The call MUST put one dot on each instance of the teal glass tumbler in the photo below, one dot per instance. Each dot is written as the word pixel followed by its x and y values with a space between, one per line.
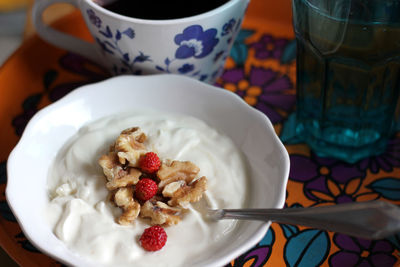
pixel 348 75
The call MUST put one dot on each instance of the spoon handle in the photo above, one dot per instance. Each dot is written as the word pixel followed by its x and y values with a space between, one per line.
pixel 371 220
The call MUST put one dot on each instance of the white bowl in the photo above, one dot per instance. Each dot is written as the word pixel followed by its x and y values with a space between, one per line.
pixel 50 128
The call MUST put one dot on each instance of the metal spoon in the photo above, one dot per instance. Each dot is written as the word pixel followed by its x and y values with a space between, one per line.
pixel 370 220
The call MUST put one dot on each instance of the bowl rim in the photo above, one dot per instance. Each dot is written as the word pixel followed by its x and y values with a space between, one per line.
pixel 12 197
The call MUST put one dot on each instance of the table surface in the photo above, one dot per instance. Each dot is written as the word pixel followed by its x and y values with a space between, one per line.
pixel 261 69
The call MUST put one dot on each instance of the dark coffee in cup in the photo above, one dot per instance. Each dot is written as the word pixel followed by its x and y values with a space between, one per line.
pixel 161 9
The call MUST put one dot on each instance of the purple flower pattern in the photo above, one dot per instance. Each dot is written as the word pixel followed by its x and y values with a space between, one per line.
pixel 315 172
pixel 269 47
pixel 263 88
pixel 361 252
pixel 386 161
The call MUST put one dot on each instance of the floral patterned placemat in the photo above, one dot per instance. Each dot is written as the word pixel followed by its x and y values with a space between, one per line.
pixel 260 69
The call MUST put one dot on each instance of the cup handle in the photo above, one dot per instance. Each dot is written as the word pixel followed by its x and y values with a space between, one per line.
pixel 58 38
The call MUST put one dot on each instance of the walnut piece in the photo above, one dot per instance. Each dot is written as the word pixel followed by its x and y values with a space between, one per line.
pixel 160 213
pixel 129 214
pixel 189 193
pixel 123 198
pixel 176 170
pixel 129 146
pixel 168 209
pixel 171 188
pixel 131 178
pixel 111 167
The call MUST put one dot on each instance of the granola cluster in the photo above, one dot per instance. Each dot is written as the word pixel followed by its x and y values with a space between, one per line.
pixel 177 182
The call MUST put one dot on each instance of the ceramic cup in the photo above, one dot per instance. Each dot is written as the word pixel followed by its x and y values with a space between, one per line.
pixel 195 46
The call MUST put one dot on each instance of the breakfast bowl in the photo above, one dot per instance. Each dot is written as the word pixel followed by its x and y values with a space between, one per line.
pixel 263 162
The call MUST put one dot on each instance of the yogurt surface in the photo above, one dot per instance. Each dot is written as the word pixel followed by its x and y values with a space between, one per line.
pixel 81 216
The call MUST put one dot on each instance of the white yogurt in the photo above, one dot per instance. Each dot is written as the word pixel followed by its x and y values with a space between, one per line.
pixel 84 220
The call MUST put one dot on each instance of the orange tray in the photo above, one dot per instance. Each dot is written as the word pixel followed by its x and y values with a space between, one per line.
pixel 261 69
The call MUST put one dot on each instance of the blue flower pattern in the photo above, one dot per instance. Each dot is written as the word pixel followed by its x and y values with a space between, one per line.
pixel 95 20
pixel 228 27
pixel 193 42
pixel 186 68
pixel 109 43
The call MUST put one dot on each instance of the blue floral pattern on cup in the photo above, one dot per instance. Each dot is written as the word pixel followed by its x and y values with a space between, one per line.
pixel 95 20
pixel 228 27
pixel 193 43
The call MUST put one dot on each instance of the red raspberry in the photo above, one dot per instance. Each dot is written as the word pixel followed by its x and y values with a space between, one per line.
pixel 153 238
pixel 145 189
pixel 150 162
